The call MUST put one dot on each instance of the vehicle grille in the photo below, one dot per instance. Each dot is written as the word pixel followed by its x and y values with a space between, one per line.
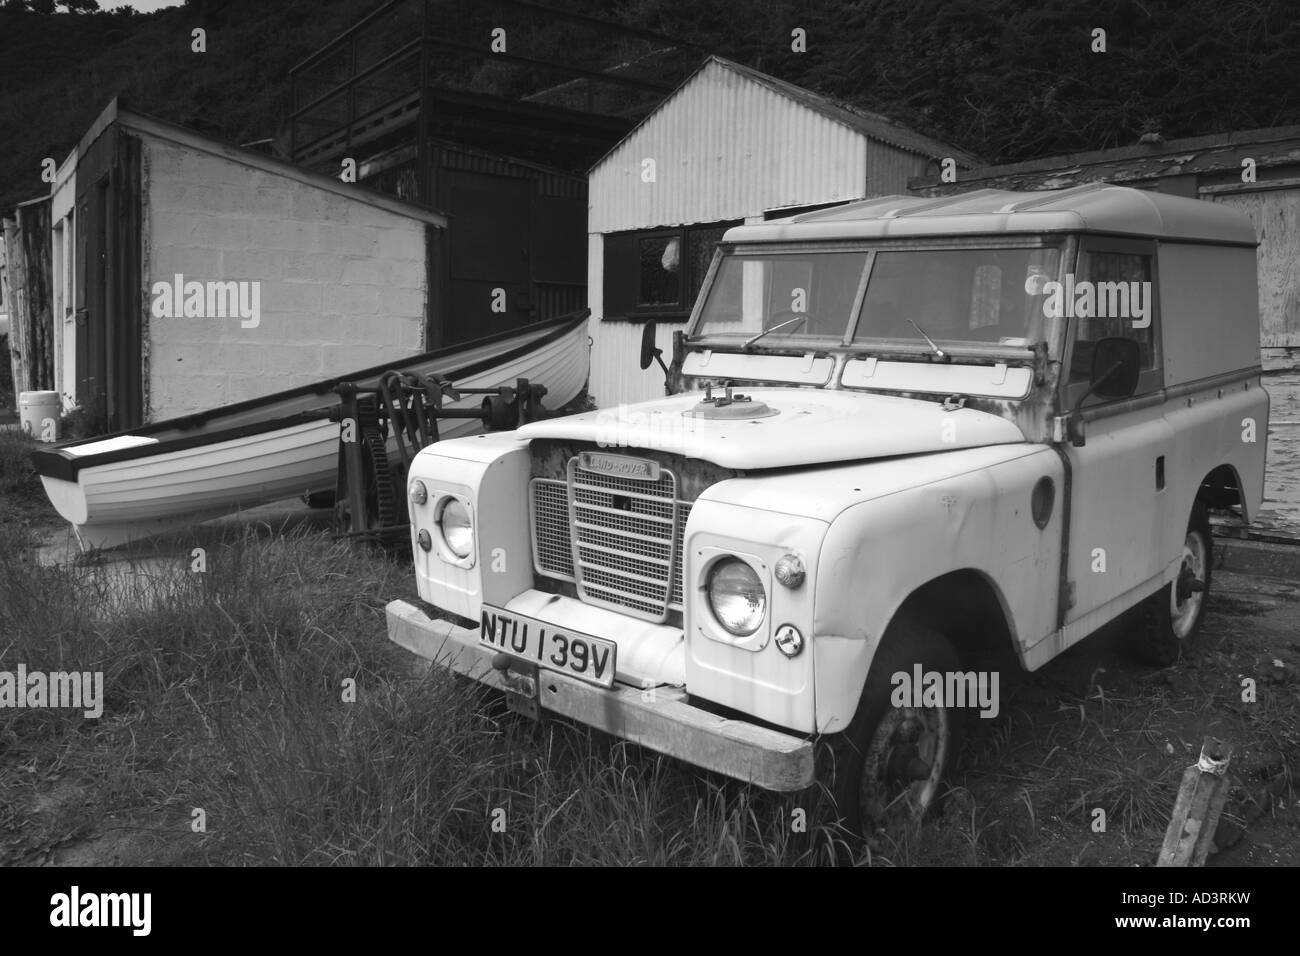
pixel 626 536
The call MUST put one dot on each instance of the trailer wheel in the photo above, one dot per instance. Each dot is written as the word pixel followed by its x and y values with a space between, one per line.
pixel 888 766
pixel 1170 619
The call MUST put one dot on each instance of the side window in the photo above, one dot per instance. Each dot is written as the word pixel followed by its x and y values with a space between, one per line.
pixel 1112 297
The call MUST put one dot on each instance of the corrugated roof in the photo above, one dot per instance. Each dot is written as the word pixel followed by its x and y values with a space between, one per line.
pixel 872 125
pixel 1207 153
pixel 1093 207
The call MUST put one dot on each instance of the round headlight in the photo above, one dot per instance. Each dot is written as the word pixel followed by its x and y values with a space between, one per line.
pixel 419 493
pixel 456 527
pixel 736 596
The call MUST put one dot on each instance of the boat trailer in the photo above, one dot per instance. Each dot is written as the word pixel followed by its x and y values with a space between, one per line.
pixel 404 409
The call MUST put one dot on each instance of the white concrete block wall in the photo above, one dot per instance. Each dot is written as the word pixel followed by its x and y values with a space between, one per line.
pixel 343 283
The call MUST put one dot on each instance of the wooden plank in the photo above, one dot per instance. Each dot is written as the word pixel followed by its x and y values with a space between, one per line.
pixel 34 224
pixel 1200 801
pixel 1276 216
pixel 31 282
pixel 17 325
pixel 1262 185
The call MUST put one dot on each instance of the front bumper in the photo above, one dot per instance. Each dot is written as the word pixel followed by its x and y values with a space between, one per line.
pixel 662 721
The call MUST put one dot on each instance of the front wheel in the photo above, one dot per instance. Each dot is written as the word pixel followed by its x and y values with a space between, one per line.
pixel 888 766
pixel 1171 618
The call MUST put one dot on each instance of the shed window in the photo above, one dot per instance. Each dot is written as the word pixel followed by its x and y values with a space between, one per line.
pixel 660 276
pixel 658 273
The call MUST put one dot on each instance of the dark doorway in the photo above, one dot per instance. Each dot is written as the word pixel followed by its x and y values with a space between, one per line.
pixel 108 303
pixel 489 257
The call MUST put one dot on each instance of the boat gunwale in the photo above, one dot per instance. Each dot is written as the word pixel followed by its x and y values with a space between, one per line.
pixel 56 463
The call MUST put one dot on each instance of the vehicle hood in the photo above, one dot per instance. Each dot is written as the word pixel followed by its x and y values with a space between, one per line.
pixel 809 427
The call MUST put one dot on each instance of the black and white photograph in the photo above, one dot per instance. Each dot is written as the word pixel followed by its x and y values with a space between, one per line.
pixel 651 434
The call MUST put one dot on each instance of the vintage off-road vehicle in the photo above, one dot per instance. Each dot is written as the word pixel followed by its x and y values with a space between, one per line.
pixel 897 430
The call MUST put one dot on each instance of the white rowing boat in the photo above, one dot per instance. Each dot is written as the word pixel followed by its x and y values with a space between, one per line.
pixel 178 472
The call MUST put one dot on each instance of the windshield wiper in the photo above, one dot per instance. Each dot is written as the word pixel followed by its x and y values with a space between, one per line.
pixel 750 341
pixel 937 351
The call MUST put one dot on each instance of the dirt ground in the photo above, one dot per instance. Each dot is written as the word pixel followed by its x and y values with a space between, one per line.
pixel 1118 735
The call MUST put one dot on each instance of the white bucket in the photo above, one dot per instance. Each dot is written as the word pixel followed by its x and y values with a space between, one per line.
pixel 39 414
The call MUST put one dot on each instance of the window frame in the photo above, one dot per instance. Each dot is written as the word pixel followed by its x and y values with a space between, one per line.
pixel 684 309
pixel 661 308
pixel 1151 380
pixel 1063 242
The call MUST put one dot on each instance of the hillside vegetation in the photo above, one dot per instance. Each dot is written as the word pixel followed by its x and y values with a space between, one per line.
pixel 1001 78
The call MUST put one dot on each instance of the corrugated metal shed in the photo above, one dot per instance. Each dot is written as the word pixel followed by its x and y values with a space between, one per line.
pixel 731 144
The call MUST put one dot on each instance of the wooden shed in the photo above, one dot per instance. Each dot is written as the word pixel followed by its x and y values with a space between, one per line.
pixel 497 136
pixel 189 273
pixel 729 145
pixel 1255 171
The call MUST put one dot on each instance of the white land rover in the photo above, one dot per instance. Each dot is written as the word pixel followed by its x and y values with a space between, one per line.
pixel 902 428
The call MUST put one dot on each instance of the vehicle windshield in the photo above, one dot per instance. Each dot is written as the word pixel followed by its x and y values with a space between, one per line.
pixel 981 296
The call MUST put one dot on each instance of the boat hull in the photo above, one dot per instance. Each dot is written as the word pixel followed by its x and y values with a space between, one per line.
pixel 128 486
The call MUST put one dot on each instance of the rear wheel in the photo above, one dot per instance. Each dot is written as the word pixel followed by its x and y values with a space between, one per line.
pixel 888 766
pixel 1170 619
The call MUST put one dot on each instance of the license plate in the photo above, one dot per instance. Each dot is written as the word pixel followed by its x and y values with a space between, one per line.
pixel 555 648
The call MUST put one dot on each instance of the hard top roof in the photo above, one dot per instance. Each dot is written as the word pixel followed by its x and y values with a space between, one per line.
pixel 1093 207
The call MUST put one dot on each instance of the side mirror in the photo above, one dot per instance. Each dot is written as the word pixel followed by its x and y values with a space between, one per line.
pixel 648 351
pixel 1116 367
pixel 652 353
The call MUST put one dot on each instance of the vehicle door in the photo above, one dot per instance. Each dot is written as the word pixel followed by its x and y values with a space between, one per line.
pixel 1118 498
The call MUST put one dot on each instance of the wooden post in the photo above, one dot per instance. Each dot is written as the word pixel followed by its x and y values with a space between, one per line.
pixel 16 268
pixel 34 234
pixel 1201 797
pixel 7 310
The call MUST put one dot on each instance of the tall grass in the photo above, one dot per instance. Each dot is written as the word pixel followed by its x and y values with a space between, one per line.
pixel 17 477
pixel 231 692
pixel 262 697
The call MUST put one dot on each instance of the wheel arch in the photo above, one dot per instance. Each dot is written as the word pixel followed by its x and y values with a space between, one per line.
pixel 965 605
pixel 1221 488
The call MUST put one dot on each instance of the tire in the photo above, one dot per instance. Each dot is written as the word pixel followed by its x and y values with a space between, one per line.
pixel 865 768
pixel 1170 620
